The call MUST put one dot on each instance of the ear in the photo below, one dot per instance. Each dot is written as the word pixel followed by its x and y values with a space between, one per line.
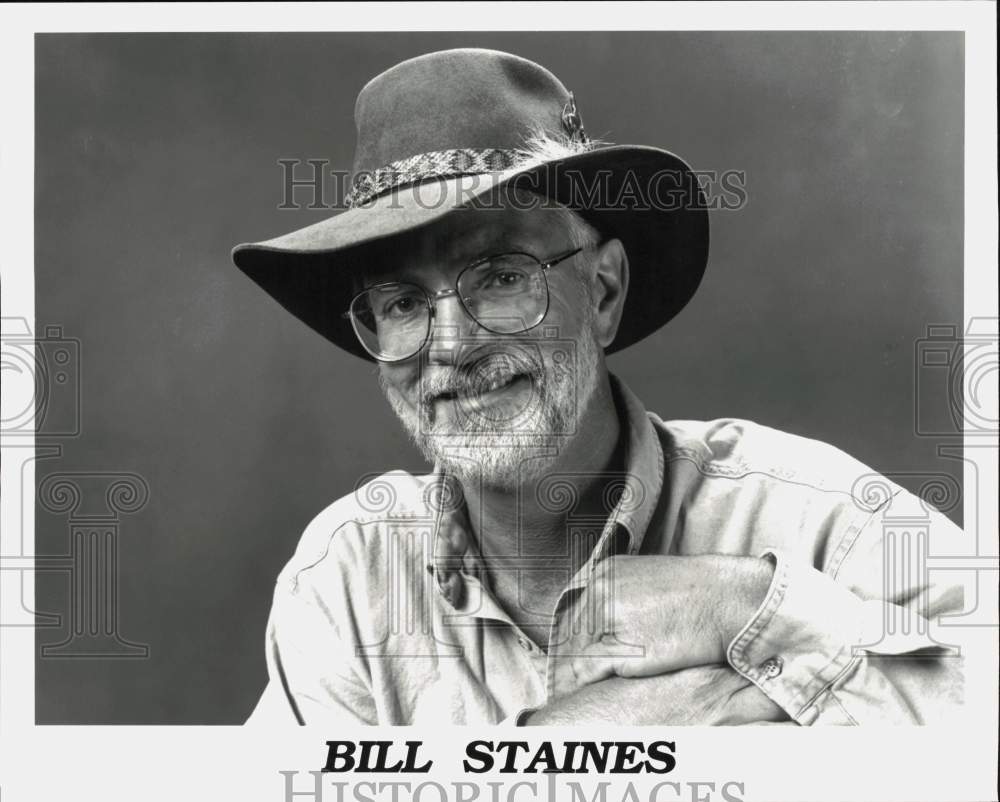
pixel 608 290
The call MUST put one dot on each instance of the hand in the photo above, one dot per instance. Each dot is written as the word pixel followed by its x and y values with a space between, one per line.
pixel 706 695
pixel 647 615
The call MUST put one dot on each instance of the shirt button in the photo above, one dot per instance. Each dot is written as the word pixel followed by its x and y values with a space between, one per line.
pixel 772 667
pixel 452 587
pixel 524 643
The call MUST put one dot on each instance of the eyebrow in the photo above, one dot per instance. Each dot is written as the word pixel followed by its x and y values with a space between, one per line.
pixel 411 274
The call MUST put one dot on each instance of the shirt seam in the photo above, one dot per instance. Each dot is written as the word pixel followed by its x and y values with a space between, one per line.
pixel 356 521
pixel 848 540
pixel 294 578
pixel 843 709
pixel 717 470
pixel 828 689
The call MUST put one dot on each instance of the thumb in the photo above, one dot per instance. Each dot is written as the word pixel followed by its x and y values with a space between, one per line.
pixel 598 661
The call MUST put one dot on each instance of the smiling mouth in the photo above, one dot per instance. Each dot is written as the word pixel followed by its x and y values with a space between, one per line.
pixel 484 390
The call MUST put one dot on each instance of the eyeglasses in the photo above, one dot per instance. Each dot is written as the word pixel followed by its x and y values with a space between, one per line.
pixel 506 293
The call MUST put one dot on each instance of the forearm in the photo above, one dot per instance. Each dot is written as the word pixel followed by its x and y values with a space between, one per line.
pixel 611 701
pixel 702 695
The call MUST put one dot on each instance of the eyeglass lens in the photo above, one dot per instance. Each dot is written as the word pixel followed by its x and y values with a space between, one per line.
pixel 506 294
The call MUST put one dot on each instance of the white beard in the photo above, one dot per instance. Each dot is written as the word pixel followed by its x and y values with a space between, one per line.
pixel 508 453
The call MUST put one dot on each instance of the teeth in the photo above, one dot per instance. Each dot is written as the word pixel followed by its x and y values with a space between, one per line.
pixel 489 386
pixel 498 382
pixel 470 392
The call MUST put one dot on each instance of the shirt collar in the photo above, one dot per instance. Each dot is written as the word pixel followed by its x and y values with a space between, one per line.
pixel 643 478
pixel 452 550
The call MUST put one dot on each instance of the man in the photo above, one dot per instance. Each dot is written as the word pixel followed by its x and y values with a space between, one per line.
pixel 572 558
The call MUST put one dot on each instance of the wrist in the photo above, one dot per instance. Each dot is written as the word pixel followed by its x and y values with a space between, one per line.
pixel 744 592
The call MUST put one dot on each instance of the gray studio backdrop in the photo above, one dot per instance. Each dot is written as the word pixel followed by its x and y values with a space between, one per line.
pixel 155 154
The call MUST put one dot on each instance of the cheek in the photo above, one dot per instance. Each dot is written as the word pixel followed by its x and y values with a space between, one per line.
pixel 400 380
pixel 570 316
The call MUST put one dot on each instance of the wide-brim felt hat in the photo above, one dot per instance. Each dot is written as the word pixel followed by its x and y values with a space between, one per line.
pixel 449 131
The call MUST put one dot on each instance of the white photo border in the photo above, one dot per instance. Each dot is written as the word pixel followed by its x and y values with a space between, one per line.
pixel 170 763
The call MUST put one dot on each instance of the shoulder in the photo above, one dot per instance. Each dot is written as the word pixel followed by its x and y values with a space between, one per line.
pixel 742 487
pixel 735 448
pixel 350 535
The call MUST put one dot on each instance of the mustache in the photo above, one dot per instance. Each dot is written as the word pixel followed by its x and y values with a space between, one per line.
pixel 475 377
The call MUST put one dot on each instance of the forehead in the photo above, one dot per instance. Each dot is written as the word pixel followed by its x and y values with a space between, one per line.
pixel 448 245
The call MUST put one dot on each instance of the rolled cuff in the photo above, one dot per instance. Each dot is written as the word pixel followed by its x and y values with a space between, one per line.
pixel 801 639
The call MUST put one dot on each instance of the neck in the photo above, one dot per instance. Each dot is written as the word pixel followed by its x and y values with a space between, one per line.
pixel 512 523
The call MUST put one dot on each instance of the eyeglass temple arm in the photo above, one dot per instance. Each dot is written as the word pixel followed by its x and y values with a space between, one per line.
pixel 562 258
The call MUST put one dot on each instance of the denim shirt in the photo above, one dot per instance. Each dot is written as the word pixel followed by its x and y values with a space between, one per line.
pixel 384 613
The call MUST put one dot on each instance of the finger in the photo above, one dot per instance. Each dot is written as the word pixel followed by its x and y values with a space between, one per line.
pixel 593 664
pixel 573 659
pixel 635 660
pixel 752 706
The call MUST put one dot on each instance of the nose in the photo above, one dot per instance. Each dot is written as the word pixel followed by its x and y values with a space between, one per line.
pixel 451 329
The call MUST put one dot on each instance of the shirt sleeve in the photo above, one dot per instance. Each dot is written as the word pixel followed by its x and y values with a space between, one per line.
pixel 853 644
pixel 313 675
pixel 517 719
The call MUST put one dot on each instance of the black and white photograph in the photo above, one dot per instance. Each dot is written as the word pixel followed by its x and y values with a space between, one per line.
pixel 635 382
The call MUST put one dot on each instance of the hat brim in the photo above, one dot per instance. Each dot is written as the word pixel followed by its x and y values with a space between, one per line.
pixel 646 197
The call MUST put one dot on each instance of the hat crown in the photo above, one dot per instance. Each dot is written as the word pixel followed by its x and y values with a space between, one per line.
pixel 467 98
pixel 460 112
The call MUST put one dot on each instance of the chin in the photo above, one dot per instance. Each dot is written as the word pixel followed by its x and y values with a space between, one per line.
pixel 502 455
pixel 507 441
pixel 499 464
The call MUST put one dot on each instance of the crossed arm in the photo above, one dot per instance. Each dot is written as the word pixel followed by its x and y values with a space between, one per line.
pixel 730 640
pixel 725 640
pixel 704 695
pixel 684 611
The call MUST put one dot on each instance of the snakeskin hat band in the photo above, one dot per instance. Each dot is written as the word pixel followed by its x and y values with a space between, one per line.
pixel 448 115
pixel 424 166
